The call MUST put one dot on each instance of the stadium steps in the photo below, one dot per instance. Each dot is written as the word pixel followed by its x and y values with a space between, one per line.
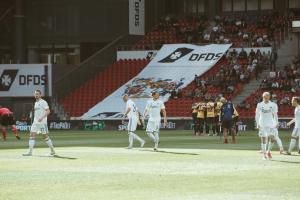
pixel 286 54
pixel 249 88
pixel 287 51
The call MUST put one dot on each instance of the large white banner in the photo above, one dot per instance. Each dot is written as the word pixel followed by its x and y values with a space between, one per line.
pixel 20 80
pixel 174 67
pixel 137 17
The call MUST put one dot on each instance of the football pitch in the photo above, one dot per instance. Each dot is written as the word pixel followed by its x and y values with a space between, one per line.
pixel 96 165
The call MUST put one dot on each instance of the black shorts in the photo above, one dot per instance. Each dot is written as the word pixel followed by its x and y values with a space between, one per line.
pixel 210 120
pixel 227 124
pixel 7 120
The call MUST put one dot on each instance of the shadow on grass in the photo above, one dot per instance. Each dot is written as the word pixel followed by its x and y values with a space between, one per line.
pixel 170 152
pixel 286 161
pixel 58 156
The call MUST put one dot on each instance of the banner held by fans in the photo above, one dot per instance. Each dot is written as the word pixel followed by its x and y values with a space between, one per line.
pixel 173 68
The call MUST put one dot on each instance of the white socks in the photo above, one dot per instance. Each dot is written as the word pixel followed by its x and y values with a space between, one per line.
pixel 292 145
pixel 263 147
pixel 270 146
pixel 279 143
pixel 156 135
pixel 130 139
pixel 49 143
pixel 31 144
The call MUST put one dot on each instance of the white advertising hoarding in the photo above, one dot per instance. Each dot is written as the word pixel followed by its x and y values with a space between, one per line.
pixel 20 80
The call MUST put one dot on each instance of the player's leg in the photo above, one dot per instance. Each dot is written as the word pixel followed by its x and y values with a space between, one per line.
pixel 278 140
pixel 195 123
pixel 15 131
pixel 217 125
pixel 131 132
pixel 31 141
pixel 225 131
pixel 4 132
pixel 201 125
pixel 271 140
pixel 48 141
pixel 130 136
pixel 156 134
pixel 150 130
pixel 198 126
pixel 233 135
pixel 293 141
pixel 264 139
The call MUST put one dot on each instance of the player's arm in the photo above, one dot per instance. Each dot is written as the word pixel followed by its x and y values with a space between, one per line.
pixel 257 116
pixel 276 115
pixel 146 111
pixel 127 111
pixel 47 112
pixel 165 115
pixel 291 122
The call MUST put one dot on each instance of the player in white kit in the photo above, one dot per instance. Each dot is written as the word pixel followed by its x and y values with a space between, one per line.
pixel 153 108
pixel 296 130
pixel 39 125
pixel 133 116
pixel 267 121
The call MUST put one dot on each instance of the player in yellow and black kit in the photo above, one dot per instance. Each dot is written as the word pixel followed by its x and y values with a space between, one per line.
pixel 210 117
pixel 201 116
pixel 235 119
pixel 218 116
pixel 194 116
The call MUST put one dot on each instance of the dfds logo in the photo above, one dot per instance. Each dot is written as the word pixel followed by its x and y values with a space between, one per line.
pixel 194 57
pixel 176 55
pixel 137 13
pixel 7 78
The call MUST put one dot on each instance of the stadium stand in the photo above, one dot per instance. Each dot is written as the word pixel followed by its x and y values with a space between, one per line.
pixel 254 31
pixel 283 85
pixel 226 78
pixel 103 84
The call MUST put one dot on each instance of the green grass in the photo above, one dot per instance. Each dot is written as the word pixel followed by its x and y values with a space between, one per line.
pixel 95 165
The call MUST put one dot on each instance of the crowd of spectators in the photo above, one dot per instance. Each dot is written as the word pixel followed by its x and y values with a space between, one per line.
pixel 239 68
pixel 283 84
pixel 241 30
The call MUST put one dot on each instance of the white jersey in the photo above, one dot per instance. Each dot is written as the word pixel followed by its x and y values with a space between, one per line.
pixel 297 117
pixel 154 107
pixel 133 109
pixel 40 108
pixel 266 114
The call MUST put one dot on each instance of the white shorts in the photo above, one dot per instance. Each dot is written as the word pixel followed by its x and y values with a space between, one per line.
pixel 132 124
pixel 296 132
pixel 267 131
pixel 153 126
pixel 39 128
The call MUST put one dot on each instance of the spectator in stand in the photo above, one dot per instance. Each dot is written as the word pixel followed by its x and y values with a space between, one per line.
pixel 273 59
pixel 285 100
